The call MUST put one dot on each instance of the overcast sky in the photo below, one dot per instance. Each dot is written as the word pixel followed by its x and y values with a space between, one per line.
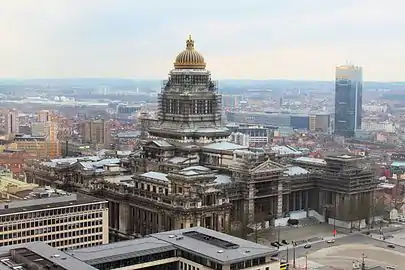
pixel 258 39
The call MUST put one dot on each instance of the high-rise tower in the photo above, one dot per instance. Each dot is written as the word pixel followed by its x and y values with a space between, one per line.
pixel 348 99
pixel 12 122
pixel 189 103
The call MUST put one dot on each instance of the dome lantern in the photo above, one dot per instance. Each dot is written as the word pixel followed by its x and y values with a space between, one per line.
pixel 189 58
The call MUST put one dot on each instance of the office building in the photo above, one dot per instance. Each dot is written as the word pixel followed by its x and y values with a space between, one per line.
pixel 12 122
pixel 61 219
pixel 125 111
pixel 188 249
pixel 44 116
pixel 319 122
pixel 348 100
pixel 38 255
pixel 192 248
pixel 95 132
pixel 49 130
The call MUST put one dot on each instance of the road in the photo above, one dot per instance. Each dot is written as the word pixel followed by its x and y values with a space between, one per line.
pixel 355 238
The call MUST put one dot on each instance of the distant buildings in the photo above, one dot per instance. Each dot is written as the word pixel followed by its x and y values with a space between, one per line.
pixel 312 122
pixel 348 100
pixel 126 111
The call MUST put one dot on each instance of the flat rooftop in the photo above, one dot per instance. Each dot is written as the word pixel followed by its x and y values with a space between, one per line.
pixel 212 245
pixel 216 246
pixel 39 253
pixel 45 201
pixel 121 250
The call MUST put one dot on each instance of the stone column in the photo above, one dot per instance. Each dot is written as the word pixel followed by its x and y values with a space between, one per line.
pixel 280 199
pixel 251 204
pixel 124 220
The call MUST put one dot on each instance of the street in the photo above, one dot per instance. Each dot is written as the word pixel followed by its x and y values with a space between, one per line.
pixel 345 250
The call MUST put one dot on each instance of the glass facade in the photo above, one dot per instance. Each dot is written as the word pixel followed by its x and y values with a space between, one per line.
pixel 348 100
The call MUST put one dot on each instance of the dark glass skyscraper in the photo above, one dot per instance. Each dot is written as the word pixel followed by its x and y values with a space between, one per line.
pixel 348 100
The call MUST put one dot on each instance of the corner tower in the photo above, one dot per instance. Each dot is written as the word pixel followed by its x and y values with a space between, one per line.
pixel 189 103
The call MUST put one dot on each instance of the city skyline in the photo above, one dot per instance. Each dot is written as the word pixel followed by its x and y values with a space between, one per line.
pixel 133 39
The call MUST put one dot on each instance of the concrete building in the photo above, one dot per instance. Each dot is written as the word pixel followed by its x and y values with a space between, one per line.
pixel 373 125
pixel 38 255
pixel 49 130
pixel 196 248
pixel 125 111
pixel 45 116
pixel 95 132
pixel 312 122
pixel 61 219
pixel 12 122
pixel 348 100
pixel 193 248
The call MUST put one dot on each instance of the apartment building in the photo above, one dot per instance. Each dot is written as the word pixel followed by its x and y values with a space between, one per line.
pixel 60 219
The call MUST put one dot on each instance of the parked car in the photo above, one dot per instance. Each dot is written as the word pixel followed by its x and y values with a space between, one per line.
pixel 391 246
pixel 307 246
pixel 331 241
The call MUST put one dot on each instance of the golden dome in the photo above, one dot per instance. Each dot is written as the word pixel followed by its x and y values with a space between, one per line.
pixel 189 58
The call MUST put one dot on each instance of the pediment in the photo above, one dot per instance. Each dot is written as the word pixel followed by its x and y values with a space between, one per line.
pixel 268 166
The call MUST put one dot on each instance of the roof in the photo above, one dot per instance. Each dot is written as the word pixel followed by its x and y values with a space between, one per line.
pixel 285 150
pixel 121 250
pixel 162 143
pixel 241 249
pixel 51 202
pixel 156 176
pixel 295 170
pixel 213 245
pixel 311 160
pixel 398 164
pixel 224 146
pixel 40 250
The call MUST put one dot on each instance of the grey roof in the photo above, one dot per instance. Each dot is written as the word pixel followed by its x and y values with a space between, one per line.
pixel 171 240
pixel 311 160
pixel 285 150
pixel 121 250
pixel 224 146
pixel 197 168
pixel 156 176
pixel 246 250
pixel 223 179
pixel 162 143
pixel 295 170
pixel 47 252
pixel 47 203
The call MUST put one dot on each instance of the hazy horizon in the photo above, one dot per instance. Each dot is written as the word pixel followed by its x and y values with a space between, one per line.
pixel 258 40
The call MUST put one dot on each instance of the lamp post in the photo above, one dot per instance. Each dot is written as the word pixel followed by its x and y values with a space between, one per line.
pixel 294 245
pixel 306 261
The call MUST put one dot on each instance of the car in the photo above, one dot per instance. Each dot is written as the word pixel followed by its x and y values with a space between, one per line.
pixel 274 245
pixel 284 242
pixel 391 246
pixel 331 241
pixel 307 246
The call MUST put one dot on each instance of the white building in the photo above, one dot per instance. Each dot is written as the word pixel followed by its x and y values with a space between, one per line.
pixel 372 125
pixel 62 220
